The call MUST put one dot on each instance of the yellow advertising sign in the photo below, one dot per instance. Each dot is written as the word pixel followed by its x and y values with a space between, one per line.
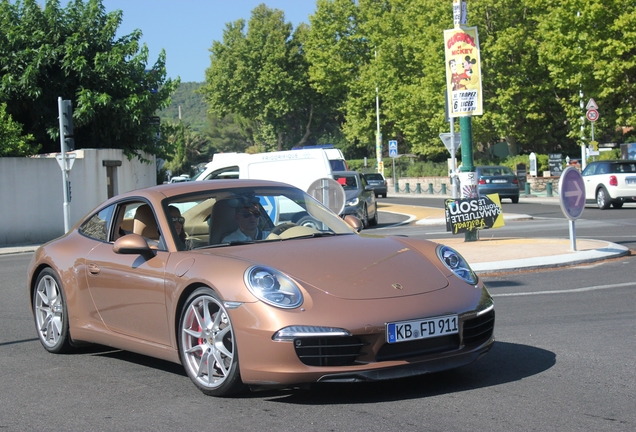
pixel 463 71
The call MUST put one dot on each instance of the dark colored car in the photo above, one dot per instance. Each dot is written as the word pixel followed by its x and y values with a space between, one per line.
pixel 359 197
pixel 610 182
pixel 159 271
pixel 498 179
pixel 378 182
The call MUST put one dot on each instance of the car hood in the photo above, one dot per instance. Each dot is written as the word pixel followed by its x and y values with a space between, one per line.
pixel 351 266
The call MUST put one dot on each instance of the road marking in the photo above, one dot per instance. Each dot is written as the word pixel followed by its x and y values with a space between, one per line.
pixel 575 290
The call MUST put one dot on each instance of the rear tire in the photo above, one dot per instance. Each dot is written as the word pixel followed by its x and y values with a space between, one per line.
pixel 50 313
pixel 515 200
pixel 602 198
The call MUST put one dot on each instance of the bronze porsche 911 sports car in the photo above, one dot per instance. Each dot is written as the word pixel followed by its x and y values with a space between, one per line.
pixel 255 283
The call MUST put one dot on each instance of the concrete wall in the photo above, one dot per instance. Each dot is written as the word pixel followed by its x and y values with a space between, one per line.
pixel 32 197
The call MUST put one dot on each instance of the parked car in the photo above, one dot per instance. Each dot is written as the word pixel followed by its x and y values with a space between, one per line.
pixel 152 271
pixel 359 197
pixel 610 182
pixel 378 182
pixel 498 179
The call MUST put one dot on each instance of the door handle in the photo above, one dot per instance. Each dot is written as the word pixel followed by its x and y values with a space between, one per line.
pixel 93 268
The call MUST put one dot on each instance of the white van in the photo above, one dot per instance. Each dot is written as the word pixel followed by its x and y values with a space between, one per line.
pixel 299 168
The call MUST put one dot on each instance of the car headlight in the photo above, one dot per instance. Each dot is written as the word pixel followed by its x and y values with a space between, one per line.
pixel 273 287
pixel 353 202
pixel 456 263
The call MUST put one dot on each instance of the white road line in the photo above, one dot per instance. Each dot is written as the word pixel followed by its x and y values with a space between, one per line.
pixel 575 290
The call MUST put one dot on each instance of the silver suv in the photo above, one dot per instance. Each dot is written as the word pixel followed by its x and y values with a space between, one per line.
pixel 610 182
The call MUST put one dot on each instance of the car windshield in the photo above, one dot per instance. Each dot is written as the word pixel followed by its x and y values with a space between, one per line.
pixel 495 171
pixel 348 182
pixel 374 176
pixel 225 217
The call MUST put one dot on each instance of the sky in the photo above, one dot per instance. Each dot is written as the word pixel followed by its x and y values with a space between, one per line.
pixel 187 28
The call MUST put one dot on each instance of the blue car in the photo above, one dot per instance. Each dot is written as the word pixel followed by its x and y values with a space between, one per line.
pixel 498 179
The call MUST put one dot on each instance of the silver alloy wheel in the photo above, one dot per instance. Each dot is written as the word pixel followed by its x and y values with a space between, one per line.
pixel 49 312
pixel 207 345
pixel 601 199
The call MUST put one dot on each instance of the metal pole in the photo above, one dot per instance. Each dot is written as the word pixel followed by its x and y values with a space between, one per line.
pixel 454 180
pixel 572 235
pixel 65 206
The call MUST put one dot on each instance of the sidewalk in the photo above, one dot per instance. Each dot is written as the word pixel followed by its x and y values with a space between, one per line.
pixel 488 255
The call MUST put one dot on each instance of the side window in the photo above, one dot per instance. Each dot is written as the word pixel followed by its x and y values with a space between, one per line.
pixel 224 173
pixel 98 225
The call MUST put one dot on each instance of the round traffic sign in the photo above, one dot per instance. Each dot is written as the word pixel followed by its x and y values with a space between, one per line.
pixel 592 115
pixel 572 193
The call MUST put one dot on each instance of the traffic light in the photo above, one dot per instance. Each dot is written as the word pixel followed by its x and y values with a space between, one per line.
pixel 67 124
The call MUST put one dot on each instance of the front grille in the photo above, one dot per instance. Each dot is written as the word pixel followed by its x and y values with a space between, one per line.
pixel 330 351
pixel 479 330
pixel 417 348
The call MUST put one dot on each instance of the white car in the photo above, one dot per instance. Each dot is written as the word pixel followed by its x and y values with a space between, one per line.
pixel 610 182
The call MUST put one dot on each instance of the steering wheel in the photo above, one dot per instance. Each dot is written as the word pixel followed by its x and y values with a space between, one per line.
pixel 280 228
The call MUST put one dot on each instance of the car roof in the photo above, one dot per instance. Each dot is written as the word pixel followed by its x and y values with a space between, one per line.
pixel 168 190
pixel 343 173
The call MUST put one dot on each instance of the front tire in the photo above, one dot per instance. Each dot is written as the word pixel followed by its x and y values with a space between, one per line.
pixel 365 217
pixel 602 198
pixel 50 313
pixel 207 346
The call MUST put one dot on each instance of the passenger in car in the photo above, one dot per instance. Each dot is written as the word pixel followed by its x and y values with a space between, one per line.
pixel 178 221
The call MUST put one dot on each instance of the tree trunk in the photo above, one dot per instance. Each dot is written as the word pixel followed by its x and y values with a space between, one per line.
pixel 280 141
pixel 512 146
pixel 303 140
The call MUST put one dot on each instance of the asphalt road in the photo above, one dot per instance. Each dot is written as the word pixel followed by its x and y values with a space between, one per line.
pixel 564 360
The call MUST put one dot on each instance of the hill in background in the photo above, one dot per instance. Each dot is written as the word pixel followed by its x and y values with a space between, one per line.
pixel 193 108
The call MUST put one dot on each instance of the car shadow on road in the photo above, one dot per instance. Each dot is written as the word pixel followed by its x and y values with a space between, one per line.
pixel 506 362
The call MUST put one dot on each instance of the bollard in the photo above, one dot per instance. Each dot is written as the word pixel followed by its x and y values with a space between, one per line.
pixel 418 188
pixel 443 188
pixel 430 188
pixel 397 188
pixel 548 189
pixel 408 188
pixel 527 188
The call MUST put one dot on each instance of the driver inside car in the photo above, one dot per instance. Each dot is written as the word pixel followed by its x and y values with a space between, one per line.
pixel 248 218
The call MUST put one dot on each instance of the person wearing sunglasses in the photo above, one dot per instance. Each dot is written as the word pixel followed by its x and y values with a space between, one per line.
pixel 248 219
pixel 177 221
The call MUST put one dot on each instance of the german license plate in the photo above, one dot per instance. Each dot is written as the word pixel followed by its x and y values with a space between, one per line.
pixel 404 331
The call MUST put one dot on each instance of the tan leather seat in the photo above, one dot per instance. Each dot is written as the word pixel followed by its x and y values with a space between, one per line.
pixel 222 221
pixel 145 223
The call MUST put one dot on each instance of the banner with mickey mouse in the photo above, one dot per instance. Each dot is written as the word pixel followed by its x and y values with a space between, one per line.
pixel 463 71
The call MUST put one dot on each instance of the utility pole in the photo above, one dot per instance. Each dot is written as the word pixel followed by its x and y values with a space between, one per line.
pixel 378 134
pixel 65 160
pixel 463 77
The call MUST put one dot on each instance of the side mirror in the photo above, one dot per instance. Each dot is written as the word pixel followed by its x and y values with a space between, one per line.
pixel 133 244
pixel 353 222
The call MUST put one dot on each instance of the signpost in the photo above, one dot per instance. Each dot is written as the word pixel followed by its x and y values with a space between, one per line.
pixel 572 198
pixel 452 143
pixel 65 111
pixel 393 152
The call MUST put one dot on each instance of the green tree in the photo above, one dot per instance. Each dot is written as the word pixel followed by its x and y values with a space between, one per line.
pixel 589 49
pixel 189 147
pixel 260 74
pixel 520 105
pixel 74 53
pixel 12 141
